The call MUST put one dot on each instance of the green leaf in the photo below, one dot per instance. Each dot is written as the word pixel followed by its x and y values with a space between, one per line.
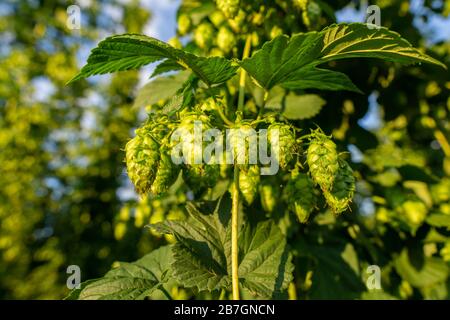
pixel 410 172
pixel 334 267
pixel 131 281
pixel 356 40
pixel 292 106
pixel 202 254
pixel 75 293
pixel 160 89
pixel 439 220
pixel 131 51
pixel 287 61
pixel 323 79
pixel 166 66
pixel 279 60
pixel 302 107
pixel 432 271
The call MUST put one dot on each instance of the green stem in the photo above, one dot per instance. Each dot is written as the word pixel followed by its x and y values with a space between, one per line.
pixel 234 234
pixel 161 287
pixel 224 117
pixel 246 54
pixel 235 193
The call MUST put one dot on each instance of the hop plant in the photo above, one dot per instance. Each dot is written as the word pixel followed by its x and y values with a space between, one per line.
pixel 230 8
pixel 341 194
pixel 300 195
pixel 203 35
pixel 322 159
pixel 226 40
pixel 286 147
pixel 142 157
pixel 248 183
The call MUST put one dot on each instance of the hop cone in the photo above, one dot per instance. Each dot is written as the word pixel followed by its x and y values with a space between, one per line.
pixel 230 8
pixel 197 175
pixel 184 24
pixel 201 176
pixel 286 147
pixel 340 196
pixel 166 174
pixel 240 139
pixel 203 35
pixel 268 196
pixel 142 156
pixel 248 183
pixel 300 195
pixel 322 160
pixel 226 40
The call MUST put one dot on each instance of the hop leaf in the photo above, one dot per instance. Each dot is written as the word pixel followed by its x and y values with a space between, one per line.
pixel 322 159
pixel 300 195
pixel 142 156
pixel 341 195
pixel 230 8
pixel 248 183
pixel 286 147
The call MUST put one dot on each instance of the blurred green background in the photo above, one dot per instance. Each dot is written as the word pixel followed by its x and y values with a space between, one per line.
pixel 65 198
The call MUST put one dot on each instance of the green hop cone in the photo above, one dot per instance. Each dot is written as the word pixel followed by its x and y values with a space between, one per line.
pixel 201 176
pixel 197 175
pixel 184 24
pixel 217 18
pixel 243 143
pixel 341 195
pixel 249 182
pixel 166 174
pixel 142 156
pixel 230 8
pixel 226 40
pixel 286 147
pixel 322 159
pixel 300 195
pixel 268 195
pixel 203 35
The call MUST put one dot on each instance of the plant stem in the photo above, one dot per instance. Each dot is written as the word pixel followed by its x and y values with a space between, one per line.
pixel 234 234
pixel 161 287
pixel 224 117
pixel 235 193
pixel 246 54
